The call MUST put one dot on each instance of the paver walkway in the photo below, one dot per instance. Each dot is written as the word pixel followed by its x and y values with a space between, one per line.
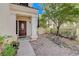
pixel 25 48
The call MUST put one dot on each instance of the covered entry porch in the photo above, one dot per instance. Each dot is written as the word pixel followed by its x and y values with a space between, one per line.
pixel 23 26
pixel 26 26
pixel 26 21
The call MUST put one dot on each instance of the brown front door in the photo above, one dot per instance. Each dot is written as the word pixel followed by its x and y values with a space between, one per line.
pixel 22 28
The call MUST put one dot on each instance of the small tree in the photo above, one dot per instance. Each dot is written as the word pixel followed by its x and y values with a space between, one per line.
pixel 61 13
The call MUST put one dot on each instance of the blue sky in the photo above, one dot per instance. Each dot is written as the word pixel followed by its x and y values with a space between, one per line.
pixel 36 5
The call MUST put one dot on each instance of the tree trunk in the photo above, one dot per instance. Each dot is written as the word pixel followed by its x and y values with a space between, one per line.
pixel 57 33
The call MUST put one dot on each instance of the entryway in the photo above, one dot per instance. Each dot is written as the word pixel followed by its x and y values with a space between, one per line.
pixel 23 26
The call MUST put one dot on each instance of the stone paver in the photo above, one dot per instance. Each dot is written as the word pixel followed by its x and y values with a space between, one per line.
pixel 25 48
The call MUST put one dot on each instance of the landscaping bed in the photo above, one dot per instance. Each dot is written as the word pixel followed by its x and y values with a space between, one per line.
pixel 65 42
pixel 44 46
pixel 8 46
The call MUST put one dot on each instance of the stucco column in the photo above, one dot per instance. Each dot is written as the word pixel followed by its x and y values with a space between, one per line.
pixel 34 28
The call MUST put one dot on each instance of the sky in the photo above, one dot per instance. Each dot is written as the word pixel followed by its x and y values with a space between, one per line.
pixel 37 6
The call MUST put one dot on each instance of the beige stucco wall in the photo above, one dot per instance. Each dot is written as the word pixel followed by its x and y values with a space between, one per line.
pixel 12 24
pixel 7 21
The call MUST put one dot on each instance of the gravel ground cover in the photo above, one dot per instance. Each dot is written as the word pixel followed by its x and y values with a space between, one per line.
pixel 45 47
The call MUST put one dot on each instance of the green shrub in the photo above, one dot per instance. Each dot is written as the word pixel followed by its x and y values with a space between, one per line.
pixel 69 33
pixel 9 50
pixel 66 33
pixel 53 30
pixel 1 39
pixel 47 30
